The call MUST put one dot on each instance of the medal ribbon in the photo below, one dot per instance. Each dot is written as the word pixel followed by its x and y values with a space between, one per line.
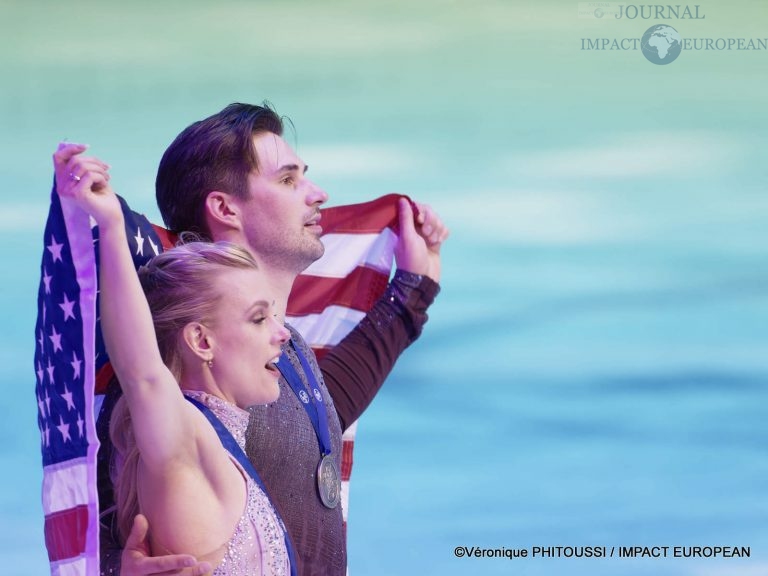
pixel 315 408
pixel 233 448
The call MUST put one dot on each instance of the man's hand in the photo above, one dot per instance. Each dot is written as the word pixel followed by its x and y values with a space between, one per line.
pixel 136 559
pixel 418 246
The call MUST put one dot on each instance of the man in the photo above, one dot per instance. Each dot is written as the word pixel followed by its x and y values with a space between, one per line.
pixel 232 177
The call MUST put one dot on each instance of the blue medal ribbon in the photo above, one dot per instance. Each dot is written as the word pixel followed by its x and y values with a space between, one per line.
pixel 313 403
pixel 229 442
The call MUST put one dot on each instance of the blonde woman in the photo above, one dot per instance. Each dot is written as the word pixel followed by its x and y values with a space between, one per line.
pixel 216 339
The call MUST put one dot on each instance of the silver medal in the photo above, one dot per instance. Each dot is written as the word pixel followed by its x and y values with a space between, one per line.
pixel 328 482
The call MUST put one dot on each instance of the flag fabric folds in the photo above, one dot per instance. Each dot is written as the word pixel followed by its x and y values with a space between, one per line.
pixel 72 367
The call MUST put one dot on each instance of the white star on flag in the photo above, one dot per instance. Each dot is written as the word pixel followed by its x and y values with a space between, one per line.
pixel 41 407
pixel 55 248
pixel 55 339
pixel 67 395
pixel 139 242
pixel 47 280
pixel 155 249
pixel 64 429
pixel 68 307
pixel 45 434
pixel 76 362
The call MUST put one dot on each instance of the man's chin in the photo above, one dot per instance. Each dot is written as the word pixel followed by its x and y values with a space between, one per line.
pixel 316 252
pixel 301 260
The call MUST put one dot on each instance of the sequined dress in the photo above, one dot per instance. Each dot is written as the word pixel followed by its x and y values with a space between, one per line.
pixel 257 547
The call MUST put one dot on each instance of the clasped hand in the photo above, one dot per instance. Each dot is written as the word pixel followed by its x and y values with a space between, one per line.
pixel 85 180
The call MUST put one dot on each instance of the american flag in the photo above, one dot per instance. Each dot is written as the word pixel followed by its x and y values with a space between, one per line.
pixel 72 368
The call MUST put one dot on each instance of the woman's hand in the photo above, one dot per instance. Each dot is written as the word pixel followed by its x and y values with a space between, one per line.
pixel 85 180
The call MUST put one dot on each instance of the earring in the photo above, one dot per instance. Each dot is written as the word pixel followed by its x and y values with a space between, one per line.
pixel 210 363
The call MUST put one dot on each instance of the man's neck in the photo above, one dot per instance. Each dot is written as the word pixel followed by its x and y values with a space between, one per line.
pixel 279 277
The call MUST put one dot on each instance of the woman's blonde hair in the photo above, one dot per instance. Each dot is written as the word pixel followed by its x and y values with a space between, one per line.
pixel 178 285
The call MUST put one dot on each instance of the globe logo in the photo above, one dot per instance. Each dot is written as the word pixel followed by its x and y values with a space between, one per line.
pixel 661 44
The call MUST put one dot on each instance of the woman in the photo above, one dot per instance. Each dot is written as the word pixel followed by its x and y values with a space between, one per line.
pixel 215 339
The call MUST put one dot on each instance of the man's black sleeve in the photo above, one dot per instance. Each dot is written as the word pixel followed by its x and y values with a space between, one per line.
pixel 356 368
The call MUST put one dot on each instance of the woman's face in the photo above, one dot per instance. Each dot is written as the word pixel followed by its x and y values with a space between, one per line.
pixel 247 338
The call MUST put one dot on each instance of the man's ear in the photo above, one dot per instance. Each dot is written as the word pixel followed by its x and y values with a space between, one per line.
pixel 222 213
pixel 199 340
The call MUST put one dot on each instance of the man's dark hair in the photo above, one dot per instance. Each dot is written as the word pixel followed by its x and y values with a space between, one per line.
pixel 213 154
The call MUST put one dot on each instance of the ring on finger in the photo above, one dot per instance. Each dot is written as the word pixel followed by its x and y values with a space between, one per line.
pixel 75 177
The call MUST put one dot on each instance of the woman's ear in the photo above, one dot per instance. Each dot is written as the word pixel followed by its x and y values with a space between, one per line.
pixel 199 340
pixel 221 212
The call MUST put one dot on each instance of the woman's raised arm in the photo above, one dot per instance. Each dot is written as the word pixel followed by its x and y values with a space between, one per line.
pixel 153 395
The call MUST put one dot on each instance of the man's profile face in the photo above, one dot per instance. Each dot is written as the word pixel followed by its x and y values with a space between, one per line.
pixel 280 217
